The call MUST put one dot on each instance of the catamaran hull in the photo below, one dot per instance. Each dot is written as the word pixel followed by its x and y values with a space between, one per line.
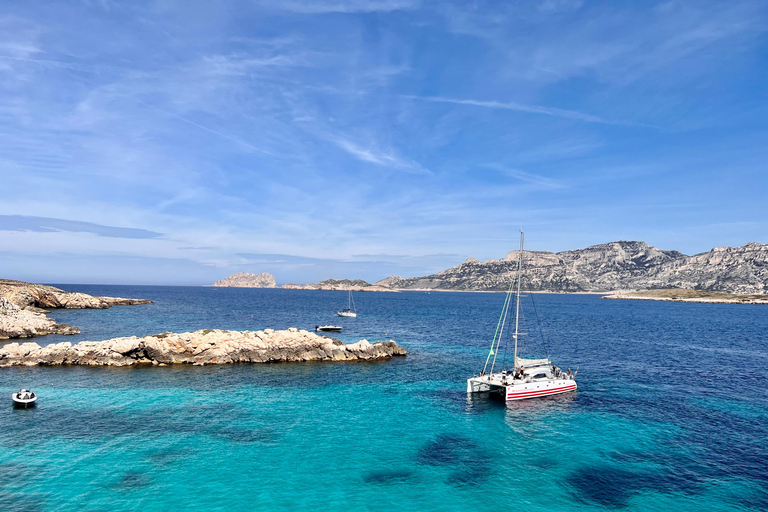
pixel 521 390
pixel 477 385
pixel 537 389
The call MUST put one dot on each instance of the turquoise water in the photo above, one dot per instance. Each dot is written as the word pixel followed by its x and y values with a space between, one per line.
pixel 671 411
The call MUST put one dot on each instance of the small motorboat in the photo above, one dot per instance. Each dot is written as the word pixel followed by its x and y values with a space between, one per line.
pixel 327 327
pixel 24 399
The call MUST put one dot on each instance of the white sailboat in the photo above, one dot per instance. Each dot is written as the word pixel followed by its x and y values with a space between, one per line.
pixel 350 311
pixel 528 378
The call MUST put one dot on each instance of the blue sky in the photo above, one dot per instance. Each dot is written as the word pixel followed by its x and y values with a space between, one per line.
pixel 172 142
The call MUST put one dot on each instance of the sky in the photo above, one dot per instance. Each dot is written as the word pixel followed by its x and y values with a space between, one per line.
pixel 178 142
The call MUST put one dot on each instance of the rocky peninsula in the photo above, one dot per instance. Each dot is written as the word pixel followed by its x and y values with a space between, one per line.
pixel 23 307
pixel 247 280
pixel 199 348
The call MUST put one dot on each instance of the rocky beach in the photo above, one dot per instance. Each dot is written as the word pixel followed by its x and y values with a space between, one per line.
pixel 202 347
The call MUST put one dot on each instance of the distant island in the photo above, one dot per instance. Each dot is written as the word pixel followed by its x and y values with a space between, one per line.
pixel 247 280
pixel 622 265
pixel 356 285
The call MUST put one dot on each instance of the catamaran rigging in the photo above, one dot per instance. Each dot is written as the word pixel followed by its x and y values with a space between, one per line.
pixel 530 377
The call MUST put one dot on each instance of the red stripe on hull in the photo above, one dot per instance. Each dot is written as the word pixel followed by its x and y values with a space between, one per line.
pixel 531 394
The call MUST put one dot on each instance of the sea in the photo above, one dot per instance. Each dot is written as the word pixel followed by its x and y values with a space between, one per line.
pixel 671 413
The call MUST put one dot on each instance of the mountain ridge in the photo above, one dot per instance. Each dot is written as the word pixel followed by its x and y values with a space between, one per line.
pixel 620 265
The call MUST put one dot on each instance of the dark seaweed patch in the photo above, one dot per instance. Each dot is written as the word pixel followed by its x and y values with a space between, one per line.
pixel 612 487
pixel 14 502
pixel 605 486
pixel 241 435
pixel 163 457
pixel 131 481
pixel 450 450
pixel 13 474
pixel 388 476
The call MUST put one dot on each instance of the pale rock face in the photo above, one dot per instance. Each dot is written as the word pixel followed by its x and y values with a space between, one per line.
pixel 16 322
pixel 607 267
pixel 200 348
pixel 247 280
pixel 24 316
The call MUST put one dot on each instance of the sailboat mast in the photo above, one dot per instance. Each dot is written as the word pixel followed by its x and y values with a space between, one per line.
pixel 517 304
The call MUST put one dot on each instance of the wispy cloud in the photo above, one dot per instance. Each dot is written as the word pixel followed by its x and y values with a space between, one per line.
pixel 343 6
pixel 383 158
pixel 49 225
pixel 531 109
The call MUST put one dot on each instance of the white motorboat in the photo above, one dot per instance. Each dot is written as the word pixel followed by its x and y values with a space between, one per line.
pixel 350 311
pixel 24 399
pixel 327 327
pixel 528 377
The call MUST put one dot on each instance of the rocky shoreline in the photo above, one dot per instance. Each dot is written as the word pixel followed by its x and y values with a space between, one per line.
pixel 23 307
pixel 683 295
pixel 200 348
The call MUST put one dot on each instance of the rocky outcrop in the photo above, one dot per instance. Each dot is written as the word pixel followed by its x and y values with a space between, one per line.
pixel 686 295
pixel 607 267
pixel 247 280
pixel 21 323
pixel 24 304
pixel 48 297
pixel 200 348
pixel 357 285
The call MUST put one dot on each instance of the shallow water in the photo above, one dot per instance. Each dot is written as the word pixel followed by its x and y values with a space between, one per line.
pixel 671 411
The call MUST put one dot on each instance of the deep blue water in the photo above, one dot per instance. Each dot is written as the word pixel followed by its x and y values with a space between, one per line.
pixel 671 411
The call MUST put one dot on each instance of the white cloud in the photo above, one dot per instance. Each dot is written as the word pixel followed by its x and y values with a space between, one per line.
pixel 383 158
pixel 522 107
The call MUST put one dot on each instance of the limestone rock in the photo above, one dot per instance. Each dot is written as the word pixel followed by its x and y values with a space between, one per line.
pixel 32 300
pixel 247 280
pixel 614 266
pixel 16 322
pixel 200 348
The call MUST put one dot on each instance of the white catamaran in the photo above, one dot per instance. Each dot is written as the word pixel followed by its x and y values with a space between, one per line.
pixel 350 310
pixel 529 378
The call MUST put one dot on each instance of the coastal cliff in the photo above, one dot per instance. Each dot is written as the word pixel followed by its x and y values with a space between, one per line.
pixel 23 307
pixel 607 267
pixel 199 348
pixel 247 280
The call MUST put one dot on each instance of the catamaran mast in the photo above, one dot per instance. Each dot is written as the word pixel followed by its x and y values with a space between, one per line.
pixel 517 304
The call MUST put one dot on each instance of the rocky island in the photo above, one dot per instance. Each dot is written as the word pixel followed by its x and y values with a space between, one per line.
pixel 356 285
pixel 23 307
pixel 199 348
pixel 247 280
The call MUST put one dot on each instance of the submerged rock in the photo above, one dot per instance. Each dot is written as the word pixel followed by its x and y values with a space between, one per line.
pixel 200 348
